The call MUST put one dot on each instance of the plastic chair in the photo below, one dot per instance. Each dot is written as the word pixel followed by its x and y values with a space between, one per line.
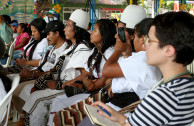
pixel 192 124
pixel 190 67
pixel 5 103
pixel 10 55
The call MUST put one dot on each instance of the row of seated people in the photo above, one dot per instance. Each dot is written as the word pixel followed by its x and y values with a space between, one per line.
pixel 11 31
pixel 74 70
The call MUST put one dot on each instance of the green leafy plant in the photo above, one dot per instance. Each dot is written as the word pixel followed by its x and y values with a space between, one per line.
pixel 187 7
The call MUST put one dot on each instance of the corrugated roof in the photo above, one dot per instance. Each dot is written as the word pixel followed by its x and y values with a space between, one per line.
pixel 106 2
pixel 109 2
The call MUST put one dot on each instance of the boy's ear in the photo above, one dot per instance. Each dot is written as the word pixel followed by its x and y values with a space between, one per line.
pixel 143 39
pixel 170 50
pixel 57 32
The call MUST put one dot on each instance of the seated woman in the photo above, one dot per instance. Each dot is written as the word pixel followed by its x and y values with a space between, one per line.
pixel 33 50
pixel 69 66
pixel 104 40
pixel 171 101
pixel 21 40
pixel 5 82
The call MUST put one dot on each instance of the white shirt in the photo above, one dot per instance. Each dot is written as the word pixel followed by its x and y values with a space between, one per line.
pixel 38 50
pixel 2 94
pixel 73 61
pixel 53 56
pixel 2 90
pixel 107 54
pixel 15 35
pixel 47 20
pixel 138 75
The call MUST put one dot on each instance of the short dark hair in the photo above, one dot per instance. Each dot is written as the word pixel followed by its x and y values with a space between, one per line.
pixel 176 29
pixel 54 26
pixel 82 36
pixel 143 27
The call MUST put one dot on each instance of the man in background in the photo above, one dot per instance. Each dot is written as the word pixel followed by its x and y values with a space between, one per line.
pixel 6 34
pixel 50 17
pixel 14 26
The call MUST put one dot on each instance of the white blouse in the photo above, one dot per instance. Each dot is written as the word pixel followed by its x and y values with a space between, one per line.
pixel 38 50
pixel 138 75
pixel 53 56
pixel 73 61
pixel 107 54
pixel 2 94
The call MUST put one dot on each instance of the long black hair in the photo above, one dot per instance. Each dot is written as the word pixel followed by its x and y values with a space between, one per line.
pixel 24 26
pixel 107 30
pixel 82 36
pixel 6 81
pixel 40 25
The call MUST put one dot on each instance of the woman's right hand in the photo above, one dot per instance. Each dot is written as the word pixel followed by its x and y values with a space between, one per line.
pixel 115 116
pixel 119 44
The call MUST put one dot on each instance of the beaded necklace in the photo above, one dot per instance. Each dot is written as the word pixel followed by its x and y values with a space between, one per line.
pixel 177 75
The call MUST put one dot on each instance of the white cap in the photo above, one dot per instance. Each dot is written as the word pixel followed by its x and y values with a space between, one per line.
pixel 81 18
pixel 132 15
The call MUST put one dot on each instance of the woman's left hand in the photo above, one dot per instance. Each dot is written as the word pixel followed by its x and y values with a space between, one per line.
pixel 119 44
pixel 21 62
pixel 89 84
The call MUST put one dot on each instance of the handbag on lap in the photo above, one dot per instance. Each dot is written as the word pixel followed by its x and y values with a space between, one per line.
pixel 41 82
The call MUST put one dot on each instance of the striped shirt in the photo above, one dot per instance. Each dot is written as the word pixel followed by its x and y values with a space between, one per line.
pixel 168 104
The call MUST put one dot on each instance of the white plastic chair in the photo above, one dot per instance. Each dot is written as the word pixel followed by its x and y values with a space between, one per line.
pixel 190 67
pixel 5 103
pixel 192 124
pixel 10 55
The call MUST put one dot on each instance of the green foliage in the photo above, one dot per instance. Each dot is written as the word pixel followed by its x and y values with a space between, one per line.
pixel 187 7
pixel 139 2
pixel 169 5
